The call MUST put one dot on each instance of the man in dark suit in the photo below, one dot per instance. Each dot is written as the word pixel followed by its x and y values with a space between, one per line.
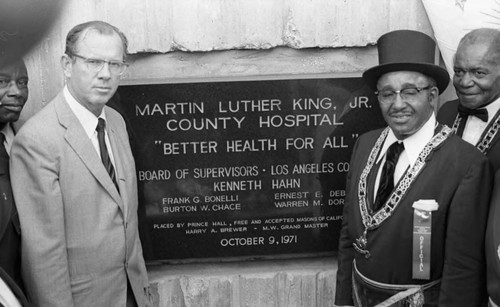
pixel 493 246
pixel 75 185
pixel 475 116
pixel 410 182
pixel 13 96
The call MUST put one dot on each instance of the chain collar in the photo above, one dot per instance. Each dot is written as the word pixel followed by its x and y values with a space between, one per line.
pixel 487 137
pixel 373 221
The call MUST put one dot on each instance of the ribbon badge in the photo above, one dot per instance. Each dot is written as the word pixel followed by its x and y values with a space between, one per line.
pixel 422 230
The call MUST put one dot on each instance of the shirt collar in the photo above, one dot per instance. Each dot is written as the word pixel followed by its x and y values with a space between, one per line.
pixel 86 118
pixel 493 109
pixel 8 131
pixel 414 143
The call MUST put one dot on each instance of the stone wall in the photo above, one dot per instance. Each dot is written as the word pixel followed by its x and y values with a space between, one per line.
pixel 198 39
pixel 260 283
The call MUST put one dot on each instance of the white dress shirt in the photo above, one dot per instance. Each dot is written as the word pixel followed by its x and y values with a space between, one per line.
pixel 474 127
pixel 413 146
pixel 89 123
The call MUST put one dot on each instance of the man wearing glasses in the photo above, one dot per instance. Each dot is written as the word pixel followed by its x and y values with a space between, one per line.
pixel 417 195
pixel 74 183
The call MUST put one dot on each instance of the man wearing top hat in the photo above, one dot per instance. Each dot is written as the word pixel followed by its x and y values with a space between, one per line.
pixel 416 195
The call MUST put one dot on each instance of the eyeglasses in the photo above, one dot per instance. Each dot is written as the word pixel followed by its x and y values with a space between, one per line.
pixel 407 94
pixel 96 65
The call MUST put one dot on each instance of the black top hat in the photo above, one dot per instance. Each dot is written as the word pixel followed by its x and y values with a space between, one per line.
pixel 407 50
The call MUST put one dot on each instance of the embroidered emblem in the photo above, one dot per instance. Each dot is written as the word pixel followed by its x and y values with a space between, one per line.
pixel 416 300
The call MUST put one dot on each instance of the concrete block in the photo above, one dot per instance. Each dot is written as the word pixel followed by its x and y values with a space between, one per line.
pixel 258 290
pixel 275 283
pixel 210 292
pixel 296 289
pixel 193 291
pixel 326 285
pixel 170 293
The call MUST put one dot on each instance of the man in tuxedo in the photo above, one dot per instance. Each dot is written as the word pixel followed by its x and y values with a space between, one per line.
pixel 13 96
pixel 475 116
pixel 74 183
pixel 409 182
pixel 493 246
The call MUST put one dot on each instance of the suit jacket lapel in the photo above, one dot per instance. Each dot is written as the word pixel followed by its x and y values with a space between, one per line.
pixel 118 149
pixel 493 143
pixel 81 144
pixel 370 186
pixel 16 290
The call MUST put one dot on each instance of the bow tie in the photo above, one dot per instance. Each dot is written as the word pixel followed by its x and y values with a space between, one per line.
pixel 482 113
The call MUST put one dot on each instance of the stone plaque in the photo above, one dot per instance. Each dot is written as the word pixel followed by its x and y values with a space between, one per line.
pixel 244 168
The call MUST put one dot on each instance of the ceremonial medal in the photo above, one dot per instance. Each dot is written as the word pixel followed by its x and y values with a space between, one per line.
pixel 416 300
pixel 360 245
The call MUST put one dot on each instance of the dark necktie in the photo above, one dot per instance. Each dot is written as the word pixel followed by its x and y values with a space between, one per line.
pixel 4 157
pixel 101 125
pixel 386 184
pixel 464 113
pixel 3 151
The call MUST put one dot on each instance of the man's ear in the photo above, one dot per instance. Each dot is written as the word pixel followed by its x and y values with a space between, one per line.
pixel 434 97
pixel 67 65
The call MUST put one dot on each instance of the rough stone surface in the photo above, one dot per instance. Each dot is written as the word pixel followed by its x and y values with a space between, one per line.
pixel 271 283
pixel 326 284
pixel 207 25
pixel 219 38
pixel 297 288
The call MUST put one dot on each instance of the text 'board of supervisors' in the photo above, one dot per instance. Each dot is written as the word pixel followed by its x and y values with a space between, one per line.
pixel 244 168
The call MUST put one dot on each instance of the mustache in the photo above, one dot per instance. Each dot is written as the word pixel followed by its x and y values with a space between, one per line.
pixel 404 112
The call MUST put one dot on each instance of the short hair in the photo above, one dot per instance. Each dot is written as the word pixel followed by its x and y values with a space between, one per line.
pixel 101 27
pixel 489 36
pixel 13 60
